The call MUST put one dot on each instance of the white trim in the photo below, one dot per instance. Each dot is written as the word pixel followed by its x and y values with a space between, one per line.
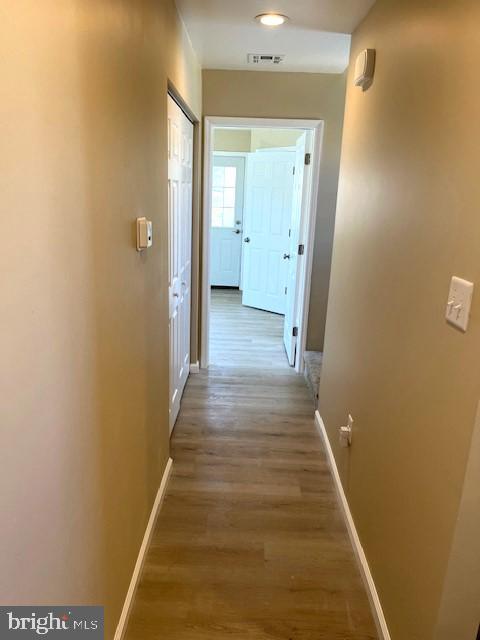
pixel 274 149
pixel 367 577
pixel 122 623
pixel 262 123
pixel 235 154
pixel 195 367
pixel 307 232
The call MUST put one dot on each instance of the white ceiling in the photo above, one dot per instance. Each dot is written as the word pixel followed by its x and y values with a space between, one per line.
pixel 316 39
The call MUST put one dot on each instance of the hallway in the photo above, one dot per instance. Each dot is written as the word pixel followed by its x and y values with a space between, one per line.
pixel 250 542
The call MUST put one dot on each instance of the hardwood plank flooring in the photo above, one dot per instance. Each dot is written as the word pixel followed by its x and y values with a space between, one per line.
pixel 238 333
pixel 250 543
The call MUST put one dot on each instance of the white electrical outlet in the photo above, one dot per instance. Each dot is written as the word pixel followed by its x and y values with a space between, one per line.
pixel 346 433
pixel 459 302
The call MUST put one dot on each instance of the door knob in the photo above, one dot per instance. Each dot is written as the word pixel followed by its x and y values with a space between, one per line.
pixel 237 231
pixel 286 256
pixel 246 240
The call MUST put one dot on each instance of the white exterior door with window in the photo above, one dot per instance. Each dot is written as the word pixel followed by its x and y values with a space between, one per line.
pixel 228 178
pixel 268 211
pixel 180 172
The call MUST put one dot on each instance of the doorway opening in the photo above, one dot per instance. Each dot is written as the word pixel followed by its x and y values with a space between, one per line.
pixel 260 201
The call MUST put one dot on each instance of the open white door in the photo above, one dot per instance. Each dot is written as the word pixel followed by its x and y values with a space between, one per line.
pixel 294 263
pixel 180 172
pixel 268 209
pixel 227 216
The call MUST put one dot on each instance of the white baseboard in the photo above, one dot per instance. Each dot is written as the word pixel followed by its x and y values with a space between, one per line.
pixel 122 623
pixel 195 367
pixel 367 577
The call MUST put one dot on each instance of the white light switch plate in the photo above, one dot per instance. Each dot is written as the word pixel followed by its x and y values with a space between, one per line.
pixel 459 302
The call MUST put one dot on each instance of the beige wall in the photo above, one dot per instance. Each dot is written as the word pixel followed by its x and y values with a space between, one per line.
pixel 232 140
pixel 83 339
pixel 407 220
pixel 245 140
pixel 271 138
pixel 259 94
pixel 459 614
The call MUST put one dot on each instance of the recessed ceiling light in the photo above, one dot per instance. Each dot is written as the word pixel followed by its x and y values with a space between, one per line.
pixel 271 19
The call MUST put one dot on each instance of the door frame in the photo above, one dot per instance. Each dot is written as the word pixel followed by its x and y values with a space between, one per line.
pixel 307 229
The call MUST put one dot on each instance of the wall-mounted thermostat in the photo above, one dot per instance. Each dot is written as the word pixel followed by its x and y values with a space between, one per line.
pixel 144 234
pixel 364 68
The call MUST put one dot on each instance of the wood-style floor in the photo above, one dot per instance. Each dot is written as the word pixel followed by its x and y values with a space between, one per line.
pixel 250 543
pixel 238 333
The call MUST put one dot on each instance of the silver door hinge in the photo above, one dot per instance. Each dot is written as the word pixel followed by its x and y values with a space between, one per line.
pixel 295 332
pixel 301 249
pixel 308 158
pixel 293 171
pixel 285 290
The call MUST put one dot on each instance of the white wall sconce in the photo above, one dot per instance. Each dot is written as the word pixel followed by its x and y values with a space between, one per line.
pixel 364 68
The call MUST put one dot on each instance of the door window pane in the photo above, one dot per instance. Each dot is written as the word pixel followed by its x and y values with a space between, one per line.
pixel 218 177
pixel 223 196
pixel 229 217
pixel 217 217
pixel 217 198
pixel 230 176
pixel 229 197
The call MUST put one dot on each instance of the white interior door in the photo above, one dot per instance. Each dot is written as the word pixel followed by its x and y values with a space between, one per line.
pixel 295 261
pixel 228 178
pixel 268 210
pixel 180 173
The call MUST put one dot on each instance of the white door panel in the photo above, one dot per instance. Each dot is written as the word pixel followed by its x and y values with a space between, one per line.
pixel 268 207
pixel 180 172
pixel 294 263
pixel 227 218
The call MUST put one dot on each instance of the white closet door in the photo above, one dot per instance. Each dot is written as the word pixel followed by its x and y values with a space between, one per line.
pixel 180 173
pixel 268 211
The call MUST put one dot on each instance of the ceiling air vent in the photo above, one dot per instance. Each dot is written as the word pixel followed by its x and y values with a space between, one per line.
pixel 265 58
